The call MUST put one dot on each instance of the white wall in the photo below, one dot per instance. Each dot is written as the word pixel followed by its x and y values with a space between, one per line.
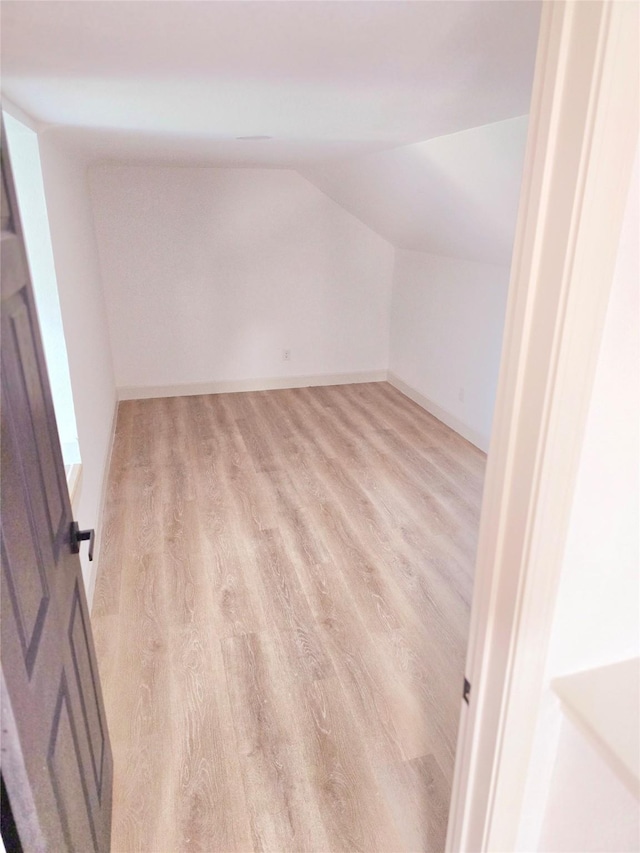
pixel 211 273
pixel 589 809
pixel 597 614
pixel 84 319
pixel 27 175
pixel 598 609
pixel 447 321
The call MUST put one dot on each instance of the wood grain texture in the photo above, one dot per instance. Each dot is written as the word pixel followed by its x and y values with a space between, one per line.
pixel 281 618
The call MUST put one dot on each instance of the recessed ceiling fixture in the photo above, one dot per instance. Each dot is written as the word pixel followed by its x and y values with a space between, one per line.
pixel 253 138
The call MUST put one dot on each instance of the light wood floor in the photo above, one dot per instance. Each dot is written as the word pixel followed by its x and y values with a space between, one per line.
pixel 281 617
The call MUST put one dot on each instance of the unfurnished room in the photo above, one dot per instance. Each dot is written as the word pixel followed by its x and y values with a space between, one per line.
pixel 320 426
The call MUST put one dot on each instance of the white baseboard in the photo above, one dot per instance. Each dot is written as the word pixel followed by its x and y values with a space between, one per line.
pixel 145 392
pixel 95 564
pixel 477 439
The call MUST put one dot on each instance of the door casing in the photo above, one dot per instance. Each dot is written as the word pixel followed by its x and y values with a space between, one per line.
pixel 582 140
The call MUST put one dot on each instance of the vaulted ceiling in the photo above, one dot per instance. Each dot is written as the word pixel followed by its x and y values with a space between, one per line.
pixel 355 94
pixel 455 195
pixel 321 78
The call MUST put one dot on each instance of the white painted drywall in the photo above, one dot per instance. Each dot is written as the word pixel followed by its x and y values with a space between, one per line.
pixel 210 274
pixel 598 609
pixel 597 615
pixel 346 74
pixel 447 320
pixel 456 195
pixel 84 319
pixel 27 176
pixel 590 810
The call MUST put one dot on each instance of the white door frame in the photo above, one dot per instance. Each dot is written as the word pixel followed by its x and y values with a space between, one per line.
pixel 582 139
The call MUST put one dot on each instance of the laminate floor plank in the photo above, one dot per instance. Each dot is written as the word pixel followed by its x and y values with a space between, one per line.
pixel 209 810
pixel 142 727
pixel 281 617
pixel 282 811
pixel 354 815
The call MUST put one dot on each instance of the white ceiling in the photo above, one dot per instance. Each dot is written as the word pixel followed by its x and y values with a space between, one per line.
pixel 181 80
pixel 456 195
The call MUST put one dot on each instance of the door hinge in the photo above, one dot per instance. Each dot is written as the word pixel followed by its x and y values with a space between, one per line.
pixel 466 690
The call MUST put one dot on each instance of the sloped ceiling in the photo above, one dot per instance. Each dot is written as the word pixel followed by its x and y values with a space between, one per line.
pixel 348 91
pixel 323 79
pixel 456 195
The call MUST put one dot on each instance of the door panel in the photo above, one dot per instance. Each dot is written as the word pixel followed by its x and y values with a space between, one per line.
pixel 27 589
pixel 56 757
pixel 26 384
pixel 65 763
pixel 88 686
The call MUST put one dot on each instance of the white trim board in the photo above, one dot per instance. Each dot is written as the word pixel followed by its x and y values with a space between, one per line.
pixel 582 141
pixel 611 727
pixel 477 439
pixel 74 483
pixel 95 565
pixel 145 392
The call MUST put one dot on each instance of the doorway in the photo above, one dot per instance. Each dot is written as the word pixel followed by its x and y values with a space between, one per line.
pixel 27 172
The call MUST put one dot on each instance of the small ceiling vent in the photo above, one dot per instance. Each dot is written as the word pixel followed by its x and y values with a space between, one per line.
pixel 253 138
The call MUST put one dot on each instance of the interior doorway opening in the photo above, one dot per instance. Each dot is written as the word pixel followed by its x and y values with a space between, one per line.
pixel 27 171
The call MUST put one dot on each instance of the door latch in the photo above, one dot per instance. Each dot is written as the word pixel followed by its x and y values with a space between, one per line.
pixel 78 536
pixel 466 690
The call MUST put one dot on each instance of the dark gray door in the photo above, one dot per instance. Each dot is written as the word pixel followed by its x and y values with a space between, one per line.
pixel 55 759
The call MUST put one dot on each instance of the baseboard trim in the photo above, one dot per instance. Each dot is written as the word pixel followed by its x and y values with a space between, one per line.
pixel 146 392
pixel 477 439
pixel 95 565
